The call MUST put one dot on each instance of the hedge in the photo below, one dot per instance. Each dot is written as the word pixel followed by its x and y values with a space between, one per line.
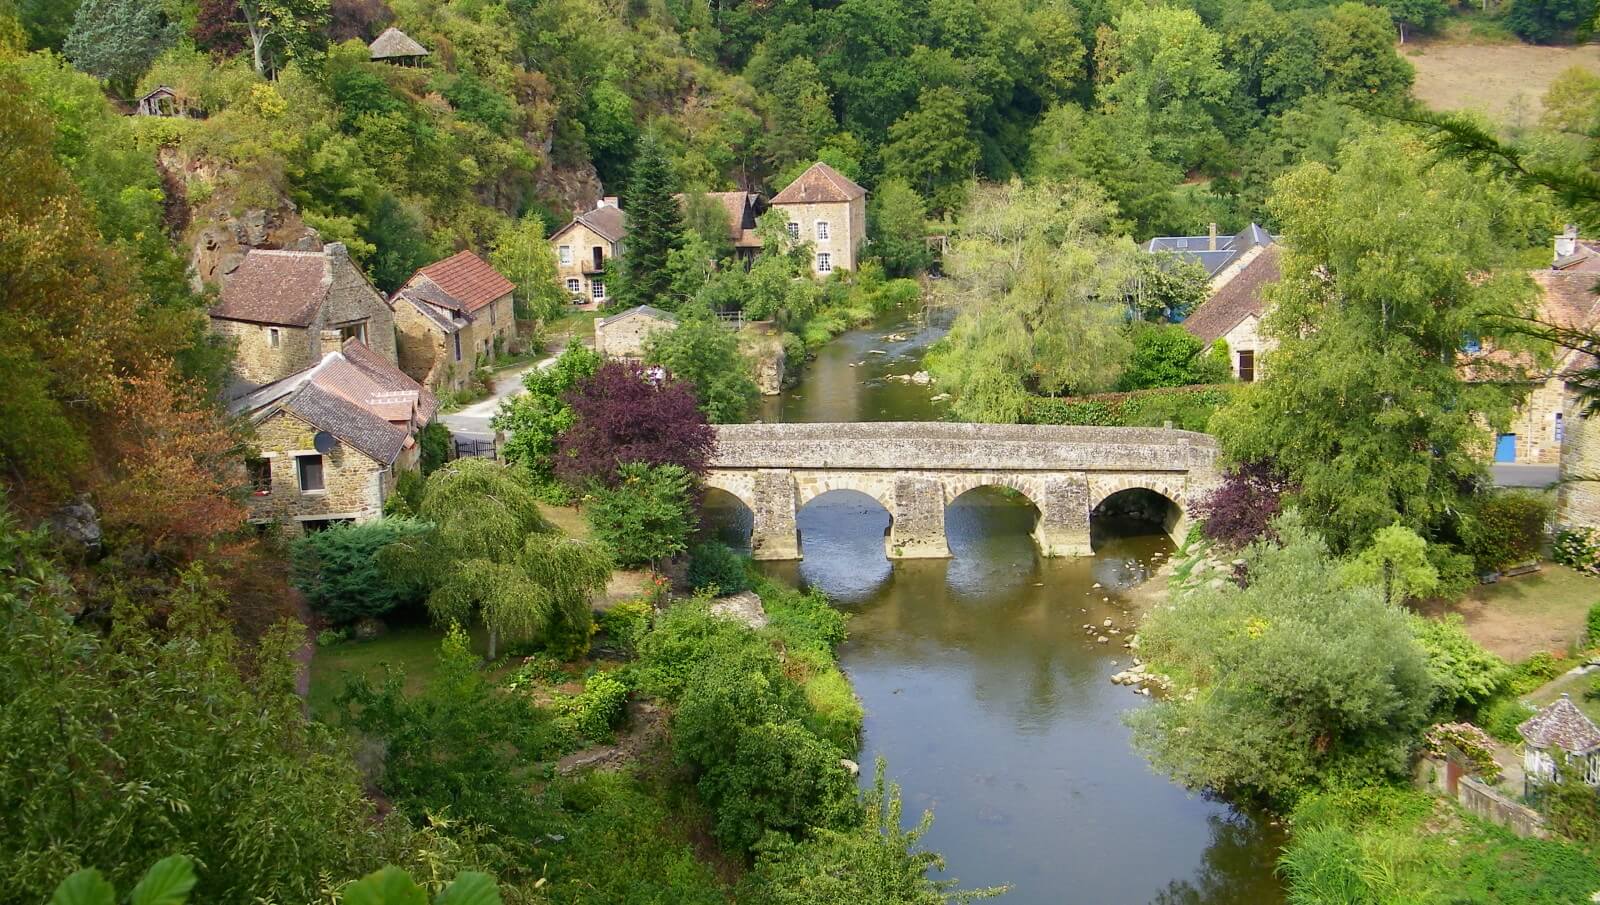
pixel 1188 408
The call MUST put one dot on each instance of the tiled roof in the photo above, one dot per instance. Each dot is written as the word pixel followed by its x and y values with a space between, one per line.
pixel 276 287
pixel 1213 259
pixel 1567 299
pixel 1585 257
pixel 1239 298
pixel 1561 725
pixel 819 184
pixel 355 395
pixel 438 318
pixel 467 278
pixel 607 221
pixel 647 310
pixel 741 210
pixel 395 43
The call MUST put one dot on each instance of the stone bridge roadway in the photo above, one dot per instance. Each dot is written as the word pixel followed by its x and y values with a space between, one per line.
pixel 915 469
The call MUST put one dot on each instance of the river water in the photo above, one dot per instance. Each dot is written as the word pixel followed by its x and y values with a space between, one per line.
pixel 982 689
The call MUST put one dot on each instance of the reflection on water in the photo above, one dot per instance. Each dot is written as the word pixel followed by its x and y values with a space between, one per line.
pixel 993 706
pixel 982 689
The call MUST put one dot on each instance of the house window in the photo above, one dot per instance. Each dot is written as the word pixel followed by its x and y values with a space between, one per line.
pixel 1247 366
pixel 574 285
pixel 458 346
pixel 273 338
pixel 310 468
pixel 824 262
pixel 597 290
pixel 794 230
pixel 822 229
pixel 260 472
pixel 565 252
pixel 354 331
pixel 313 525
pixel 1561 429
pixel 493 314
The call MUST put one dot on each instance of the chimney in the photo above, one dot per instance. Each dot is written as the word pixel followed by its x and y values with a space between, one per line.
pixel 1213 245
pixel 1567 242
pixel 332 341
pixel 607 201
pixel 336 250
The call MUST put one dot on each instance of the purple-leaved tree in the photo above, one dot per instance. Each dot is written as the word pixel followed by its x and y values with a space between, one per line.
pixel 1242 507
pixel 623 416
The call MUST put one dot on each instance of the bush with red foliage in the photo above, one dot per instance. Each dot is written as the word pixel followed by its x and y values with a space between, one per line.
pixel 621 416
pixel 219 27
pixel 1241 509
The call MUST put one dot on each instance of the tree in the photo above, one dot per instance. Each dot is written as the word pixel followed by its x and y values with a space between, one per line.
pixel 876 861
pixel 705 217
pixel 1297 677
pixel 647 516
pixel 655 229
pixel 170 880
pixel 1114 151
pixel 490 555
pixel 899 230
pixel 1241 509
pixel 1163 68
pixel 522 254
pixel 931 148
pixel 282 30
pixel 1417 15
pixel 1367 412
pixel 1542 21
pixel 622 415
pixel 1355 46
pixel 799 115
pixel 703 352
pixel 1037 284
pixel 1166 355
pixel 535 418
pixel 1396 562
pixel 338 570
pixel 1168 287
pixel 117 40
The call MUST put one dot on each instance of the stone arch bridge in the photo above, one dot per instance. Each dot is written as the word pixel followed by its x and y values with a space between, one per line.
pixel 914 469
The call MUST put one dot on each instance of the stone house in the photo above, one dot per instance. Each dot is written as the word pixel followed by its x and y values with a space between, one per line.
pixel 743 208
pixel 453 316
pixel 1240 267
pixel 828 210
pixel 584 246
pixel 331 439
pixel 623 335
pixel 1560 728
pixel 285 310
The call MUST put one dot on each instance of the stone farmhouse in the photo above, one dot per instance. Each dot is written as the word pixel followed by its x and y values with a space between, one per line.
pixel 623 335
pixel 584 246
pixel 743 208
pixel 828 210
pixel 286 310
pixel 1240 267
pixel 453 316
pixel 332 438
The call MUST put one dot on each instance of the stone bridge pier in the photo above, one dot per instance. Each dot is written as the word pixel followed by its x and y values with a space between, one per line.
pixel 915 470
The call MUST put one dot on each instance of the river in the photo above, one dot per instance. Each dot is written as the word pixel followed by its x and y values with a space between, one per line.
pixel 982 689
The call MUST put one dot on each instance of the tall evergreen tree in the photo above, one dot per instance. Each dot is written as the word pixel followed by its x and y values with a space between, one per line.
pixel 118 39
pixel 655 230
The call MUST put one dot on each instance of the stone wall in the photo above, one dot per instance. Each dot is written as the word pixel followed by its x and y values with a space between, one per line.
pixel 582 240
pixel 1246 337
pixel 356 484
pixel 425 351
pixel 624 337
pixel 352 299
pixel 847 228
pixel 257 361
pixel 1578 499
pixel 1534 422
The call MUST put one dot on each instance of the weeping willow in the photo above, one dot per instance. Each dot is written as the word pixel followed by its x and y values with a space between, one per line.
pixel 1039 286
pixel 490 555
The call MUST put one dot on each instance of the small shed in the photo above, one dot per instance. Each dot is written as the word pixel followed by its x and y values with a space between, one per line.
pixel 163 101
pixel 1561 727
pixel 623 335
pixel 395 46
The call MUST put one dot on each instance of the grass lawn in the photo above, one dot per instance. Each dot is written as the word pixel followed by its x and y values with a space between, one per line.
pixel 1517 617
pixel 573 325
pixel 412 648
pixel 1505 80
pixel 1572 683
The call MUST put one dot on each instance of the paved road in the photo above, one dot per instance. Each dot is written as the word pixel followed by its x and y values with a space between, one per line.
pixel 473 421
pixel 1510 475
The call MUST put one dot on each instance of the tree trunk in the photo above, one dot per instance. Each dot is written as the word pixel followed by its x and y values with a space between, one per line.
pixel 258 42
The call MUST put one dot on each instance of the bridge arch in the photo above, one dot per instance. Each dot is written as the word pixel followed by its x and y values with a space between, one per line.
pixel 958 484
pixel 1139 504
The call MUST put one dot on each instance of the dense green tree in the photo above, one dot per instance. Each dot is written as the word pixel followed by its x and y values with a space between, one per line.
pixel 282 30
pixel 932 148
pixel 1112 150
pixel 655 230
pixel 647 517
pixel 1166 355
pixel 46 22
pixel 337 570
pixel 1037 283
pixel 117 40
pixel 535 418
pixel 1543 21
pixel 706 218
pixel 799 115
pixel 1297 676
pixel 1396 562
pixel 489 555
pixel 1167 287
pixel 1356 51
pixel 521 253
pixel 1416 16
pixel 1366 410
pixel 705 353
pixel 1163 68
pixel 897 219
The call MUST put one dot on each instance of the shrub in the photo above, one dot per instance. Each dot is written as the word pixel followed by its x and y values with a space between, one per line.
pixel 338 571
pixel 1578 548
pixel 1244 505
pixel 407 495
pixel 1592 626
pixel 594 712
pixel 1501 719
pixel 536 669
pixel 1505 528
pixel 1534 672
pixel 685 636
pixel 1464 674
pixel 1188 408
pixel 736 688
pixel 622 416
pixel 626 624
pixel 781 779
pixel 1167 355
pixel 716 565
pixel 647 516
pixel 803 618
pixel 435 441
pixel 1473 743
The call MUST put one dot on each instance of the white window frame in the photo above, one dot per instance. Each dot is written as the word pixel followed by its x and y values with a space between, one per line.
pixel 300 472
pixel 597 290
pixel 274 338
pixel 793 229
pixel 824 262
pixel 821 226
pixel 574 285
pixel 564 253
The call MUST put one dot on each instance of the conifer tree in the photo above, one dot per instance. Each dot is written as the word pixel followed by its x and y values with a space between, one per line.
pixel 655 230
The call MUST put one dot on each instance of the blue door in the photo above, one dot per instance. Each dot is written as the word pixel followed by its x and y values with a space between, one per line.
pixel 1505 448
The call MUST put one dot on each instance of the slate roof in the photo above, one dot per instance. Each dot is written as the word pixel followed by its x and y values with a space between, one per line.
pixel 1198 248
pixel 1238 298
pixel 609 222
pixel 465 277
pixel 395 44
pixel 647 310
pixel 1561 725
pixel 283 288
pixel 819 184
pixel 353 394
